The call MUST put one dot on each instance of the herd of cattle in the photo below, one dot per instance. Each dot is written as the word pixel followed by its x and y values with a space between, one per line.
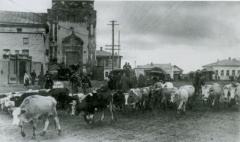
pixel 34 104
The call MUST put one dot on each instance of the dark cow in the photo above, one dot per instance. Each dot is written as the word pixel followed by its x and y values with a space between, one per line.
pixel 61 95
pixel 119 99
pixel 99 99
pixel 34 107
pixel 19 99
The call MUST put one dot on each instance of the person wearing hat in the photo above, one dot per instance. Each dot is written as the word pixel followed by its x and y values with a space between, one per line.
pixel 86 84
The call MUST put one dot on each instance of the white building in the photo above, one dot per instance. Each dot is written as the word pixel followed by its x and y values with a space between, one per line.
pixel 172 71
pixel 225 68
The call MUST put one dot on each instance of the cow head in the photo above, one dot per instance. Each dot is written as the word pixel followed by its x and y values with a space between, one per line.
pixel 232 93
pixel 226 93
pixel 19 116
pixel 206 91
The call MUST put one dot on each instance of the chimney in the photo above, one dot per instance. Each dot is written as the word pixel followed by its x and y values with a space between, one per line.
pixel 229 58
pixel 100 48
pixel 151 64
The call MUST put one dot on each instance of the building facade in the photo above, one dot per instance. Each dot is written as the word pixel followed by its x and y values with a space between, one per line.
pixel 23 38
pixel 67 33
pixel 72 33
pixel 225 69
pixel 104 61
pixel 171 71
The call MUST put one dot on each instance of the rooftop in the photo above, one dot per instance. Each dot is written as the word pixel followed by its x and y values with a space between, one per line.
pixel 22 18
pixel 162 66
pixel 104 53
pixel 229 62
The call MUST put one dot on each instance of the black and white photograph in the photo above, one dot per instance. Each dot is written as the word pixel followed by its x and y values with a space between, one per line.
pixel 119 71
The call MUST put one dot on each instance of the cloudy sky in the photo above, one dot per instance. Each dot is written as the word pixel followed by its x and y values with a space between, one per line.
pixel 186 34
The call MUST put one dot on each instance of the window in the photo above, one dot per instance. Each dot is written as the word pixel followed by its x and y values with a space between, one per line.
pixel 222 73
pixel 216 71
pixel 19 30
pixel 227 73
pixel 25 41
pixel 233 72
pixel 106 74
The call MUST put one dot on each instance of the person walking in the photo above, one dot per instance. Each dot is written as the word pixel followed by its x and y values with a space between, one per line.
pixel 26 80
pixel 86 84
pixel 124 83
pixel 49 83
pixel 33 76
pixel 41 80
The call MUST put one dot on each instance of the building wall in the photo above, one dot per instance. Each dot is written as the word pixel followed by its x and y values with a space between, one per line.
pixel 141 71
pixel 225 77
pixel 10 39
pixel 4 71
pixel 62 33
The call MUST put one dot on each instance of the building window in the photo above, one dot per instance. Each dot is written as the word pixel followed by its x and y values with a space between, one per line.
pixel 19 30
pixel 233 72
pixel 227 73
pixel 25 40
pixel 222 73
pixel 106 74
pixel 216 71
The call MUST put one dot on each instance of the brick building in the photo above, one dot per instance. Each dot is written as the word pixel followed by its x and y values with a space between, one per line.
pixel 23 38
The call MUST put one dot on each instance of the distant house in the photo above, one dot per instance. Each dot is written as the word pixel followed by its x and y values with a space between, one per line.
pixel 225 69
pixel 172 72
pixel 104 64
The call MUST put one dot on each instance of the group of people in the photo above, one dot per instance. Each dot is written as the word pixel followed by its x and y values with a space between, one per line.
pixel 44 81
pixel 80 80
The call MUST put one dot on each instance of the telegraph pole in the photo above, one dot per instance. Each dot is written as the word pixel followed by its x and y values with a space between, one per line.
pixel 118 49
pixel 113 24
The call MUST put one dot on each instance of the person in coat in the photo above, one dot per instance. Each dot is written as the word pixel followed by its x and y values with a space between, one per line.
pixel 33 76
pixel 41 80
pixel 26 79
pixel 124 83
pixel 49 83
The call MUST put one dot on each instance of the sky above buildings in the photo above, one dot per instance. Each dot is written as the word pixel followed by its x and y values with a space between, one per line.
pixel 186 34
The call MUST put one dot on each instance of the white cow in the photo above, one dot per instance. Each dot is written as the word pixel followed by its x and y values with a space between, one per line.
pixel 234 94
pixel 226 92
pixel 191 90
pixel 167 85
pixel 180 98
pixel 212 93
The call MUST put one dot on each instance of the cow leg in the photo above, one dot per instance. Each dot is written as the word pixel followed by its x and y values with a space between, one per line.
pixel 58 124
pixel 112 112
pixel 103 115
pixel 22 131
pixel 180 106
pixel 184 107
pixel 213 102
pixel 46 126
pixel 34 123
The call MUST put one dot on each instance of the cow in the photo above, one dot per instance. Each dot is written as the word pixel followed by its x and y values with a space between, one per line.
pixel 191 94
pixel 167 85
pixel 61 95
pixel 134 98
pixel 227 93
pixel 100 99
pixel 234 95
pixel 18 98
pixel 34 107
pixel 147 94
pixel 211 94
pixel 180 97
pixel 166 96
pixel 119 100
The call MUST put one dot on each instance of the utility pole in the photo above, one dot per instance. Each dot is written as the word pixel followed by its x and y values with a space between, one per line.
pixel 113 24
pixel 118 49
